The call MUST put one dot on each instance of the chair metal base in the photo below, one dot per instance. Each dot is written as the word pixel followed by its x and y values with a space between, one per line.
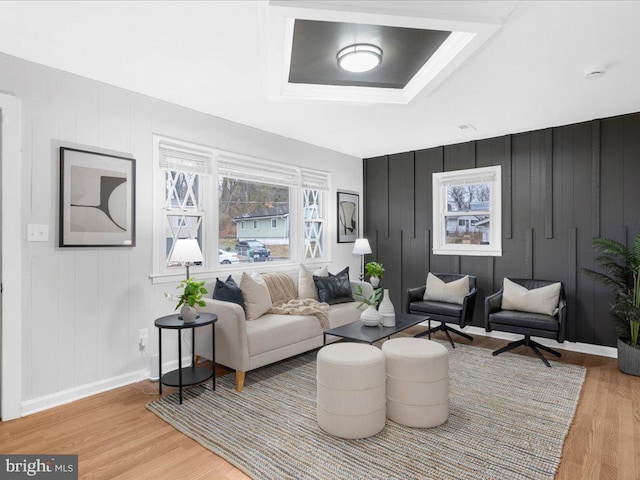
pixel 446 329
pixel 527 342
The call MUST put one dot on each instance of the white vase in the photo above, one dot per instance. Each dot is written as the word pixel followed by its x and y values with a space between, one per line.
pixel 387 310
pixel 374 281
pixel 370 317
pixel 188 314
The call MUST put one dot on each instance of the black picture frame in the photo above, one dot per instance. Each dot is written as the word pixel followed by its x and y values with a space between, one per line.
pixel 348 217
pixel 97 199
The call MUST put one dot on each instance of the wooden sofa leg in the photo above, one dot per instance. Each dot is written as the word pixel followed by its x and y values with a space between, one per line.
pixel 196 360
pixel 239 380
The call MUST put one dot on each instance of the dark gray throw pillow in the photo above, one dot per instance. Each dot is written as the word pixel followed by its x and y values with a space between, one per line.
pixel 334 288
pixel 228 291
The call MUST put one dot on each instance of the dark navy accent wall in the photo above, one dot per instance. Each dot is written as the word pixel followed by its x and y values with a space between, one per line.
pixel 561 187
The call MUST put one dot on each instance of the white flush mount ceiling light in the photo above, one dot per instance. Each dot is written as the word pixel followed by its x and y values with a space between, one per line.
pixel 359 58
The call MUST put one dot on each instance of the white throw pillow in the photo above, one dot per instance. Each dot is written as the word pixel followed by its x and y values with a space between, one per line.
pixel 322 272
pixel 257 300
pixel 306 285
pixel 537 300
pixel 440 291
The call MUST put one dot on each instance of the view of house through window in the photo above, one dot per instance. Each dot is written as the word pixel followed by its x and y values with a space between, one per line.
pixel 266 207
pixel 467 212
pixel 468 218
pixel 266 211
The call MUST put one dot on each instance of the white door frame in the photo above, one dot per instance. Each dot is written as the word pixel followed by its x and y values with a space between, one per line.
pixel 10 401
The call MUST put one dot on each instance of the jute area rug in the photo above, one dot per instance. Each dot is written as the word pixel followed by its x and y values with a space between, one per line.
pixel 508 418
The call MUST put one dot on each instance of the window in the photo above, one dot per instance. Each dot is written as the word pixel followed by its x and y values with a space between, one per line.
pixel 251 209
pixel 183 172
pixel 467 212
pixel 315 186
pixel 256 191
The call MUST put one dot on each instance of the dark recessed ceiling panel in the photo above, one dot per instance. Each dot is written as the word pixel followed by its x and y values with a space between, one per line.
pixel 316 44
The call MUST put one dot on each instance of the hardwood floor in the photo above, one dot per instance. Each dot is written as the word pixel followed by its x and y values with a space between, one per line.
pixel 116 437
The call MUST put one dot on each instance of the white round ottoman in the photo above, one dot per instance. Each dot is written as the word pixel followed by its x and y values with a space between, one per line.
pixel 351 390
pixel 417 382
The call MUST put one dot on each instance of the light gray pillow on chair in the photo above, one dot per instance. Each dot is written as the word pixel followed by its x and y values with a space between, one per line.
pixel 542 300
pixel 439 291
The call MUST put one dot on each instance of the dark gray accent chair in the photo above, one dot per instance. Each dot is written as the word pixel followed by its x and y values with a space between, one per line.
pixel 461 315
pixel 525 323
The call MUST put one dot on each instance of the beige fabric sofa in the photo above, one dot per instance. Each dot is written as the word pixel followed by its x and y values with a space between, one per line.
pixel 246 345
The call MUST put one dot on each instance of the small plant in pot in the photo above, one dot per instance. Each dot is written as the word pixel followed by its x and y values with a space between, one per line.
pixel 191 296
pixel 375 271
pixel 621 268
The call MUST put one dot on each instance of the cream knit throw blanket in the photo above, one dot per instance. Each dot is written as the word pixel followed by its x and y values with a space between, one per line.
pixel 305 306
pixel 285 302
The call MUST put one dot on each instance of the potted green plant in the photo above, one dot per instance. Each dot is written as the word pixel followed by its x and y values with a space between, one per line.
pixel 375 271
pixel 621 268
pixel 191 296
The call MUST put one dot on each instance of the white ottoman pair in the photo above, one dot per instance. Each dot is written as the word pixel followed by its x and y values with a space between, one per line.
pixel 417 382
pixel 351 390
pixel 359 386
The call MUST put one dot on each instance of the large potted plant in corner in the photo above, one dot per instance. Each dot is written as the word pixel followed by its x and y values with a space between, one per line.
pixel 621 268
pixel 191 296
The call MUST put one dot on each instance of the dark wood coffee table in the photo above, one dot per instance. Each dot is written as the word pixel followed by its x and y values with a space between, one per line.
pixel 359 332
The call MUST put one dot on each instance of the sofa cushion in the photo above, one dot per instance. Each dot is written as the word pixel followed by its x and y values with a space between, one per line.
pixel 343 313
pixel 272 331
pixel 543 300
pixel 334 288
pixel 281 288
pixel 306 285
pixel 256 296
pixel 452 292
pixel 228 291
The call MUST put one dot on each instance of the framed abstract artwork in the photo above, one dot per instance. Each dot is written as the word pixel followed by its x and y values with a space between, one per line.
pixel 97 199
pixel 348 217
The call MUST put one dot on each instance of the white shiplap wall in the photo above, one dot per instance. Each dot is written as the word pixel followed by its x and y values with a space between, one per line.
pixel 82 308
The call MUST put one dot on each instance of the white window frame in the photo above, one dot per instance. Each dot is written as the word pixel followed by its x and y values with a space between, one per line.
pixel 255 224
pixel 440 181
pixel 209 189
pixel 209 250
pixel 242 225
pixel 274 223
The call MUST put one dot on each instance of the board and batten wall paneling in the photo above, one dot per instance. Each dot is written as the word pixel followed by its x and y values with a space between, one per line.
pixel 83 307
pixel 562 187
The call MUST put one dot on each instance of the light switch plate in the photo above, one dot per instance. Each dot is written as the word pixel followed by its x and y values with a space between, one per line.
pixel 37 233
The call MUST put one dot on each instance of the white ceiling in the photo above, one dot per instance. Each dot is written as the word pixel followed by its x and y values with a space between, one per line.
pixel 215 57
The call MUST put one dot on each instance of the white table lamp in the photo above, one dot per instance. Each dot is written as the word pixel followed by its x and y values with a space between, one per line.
pixel 362 248
pixel 187 252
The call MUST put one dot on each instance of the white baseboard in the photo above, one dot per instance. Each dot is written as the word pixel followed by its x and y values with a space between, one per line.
pixel 45 402
pixel 611 352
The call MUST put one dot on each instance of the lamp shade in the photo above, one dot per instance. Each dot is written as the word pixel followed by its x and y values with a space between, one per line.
pixel 361 247
pixel 186 250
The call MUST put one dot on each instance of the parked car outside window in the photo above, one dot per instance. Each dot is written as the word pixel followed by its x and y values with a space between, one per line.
pixel 253 250
pixel 227 258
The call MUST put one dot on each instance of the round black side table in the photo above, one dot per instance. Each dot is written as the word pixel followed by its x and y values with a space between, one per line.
pixel 183 377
